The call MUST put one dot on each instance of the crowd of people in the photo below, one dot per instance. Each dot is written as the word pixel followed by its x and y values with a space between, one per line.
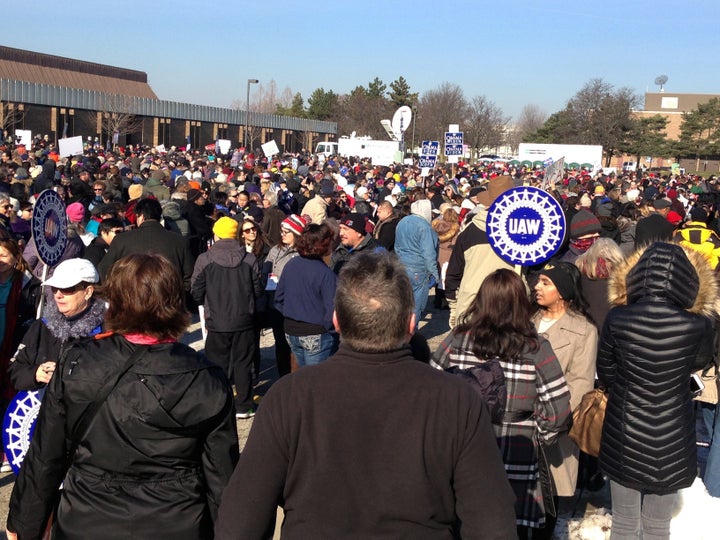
pixel 339 258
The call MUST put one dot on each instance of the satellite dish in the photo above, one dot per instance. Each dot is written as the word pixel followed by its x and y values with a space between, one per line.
pixel 401 120
pixel 387 126
pixel 660 81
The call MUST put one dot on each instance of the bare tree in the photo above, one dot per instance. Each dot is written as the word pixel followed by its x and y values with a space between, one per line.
pixel 530 119
pixel 485 125
pixel 361 111
pixel 602 115
pixel 264 99
pixel 11 114
pixel 113 119
pixel 438 108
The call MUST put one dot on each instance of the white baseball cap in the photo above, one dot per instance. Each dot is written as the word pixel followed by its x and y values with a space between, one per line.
pixel 71 272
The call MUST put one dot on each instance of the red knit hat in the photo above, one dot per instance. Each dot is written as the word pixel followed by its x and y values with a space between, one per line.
pixel 296 224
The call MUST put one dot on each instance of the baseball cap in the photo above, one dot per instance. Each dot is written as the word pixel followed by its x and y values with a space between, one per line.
pixel 71 272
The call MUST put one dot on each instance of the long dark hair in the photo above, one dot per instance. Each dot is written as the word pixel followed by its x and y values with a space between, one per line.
pixel 499 318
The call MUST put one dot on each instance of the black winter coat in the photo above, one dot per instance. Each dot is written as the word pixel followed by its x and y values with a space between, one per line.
pixel 155 460
pixel 649 345
pixel 226 280
pixel 151 237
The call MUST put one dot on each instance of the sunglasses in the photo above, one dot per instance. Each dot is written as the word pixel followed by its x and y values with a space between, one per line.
pixel 249 229
pixel 69 290
pixel 6 206
pixel 98 190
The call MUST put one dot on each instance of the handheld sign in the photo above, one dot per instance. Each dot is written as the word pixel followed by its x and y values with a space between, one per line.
pixel 430 148
pixel 49 227
pixel 454 143
pixel 525 226
pixel 19 424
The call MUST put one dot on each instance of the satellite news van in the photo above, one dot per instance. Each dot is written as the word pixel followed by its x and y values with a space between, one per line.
pixel 380 152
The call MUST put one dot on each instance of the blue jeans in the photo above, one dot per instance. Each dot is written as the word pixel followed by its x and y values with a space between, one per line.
pixel 633 512
pixel 310 350
pixel 420 282
pixel 711 417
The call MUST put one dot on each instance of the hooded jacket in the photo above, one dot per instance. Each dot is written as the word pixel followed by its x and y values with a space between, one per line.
pixel 226 279
pixel 154 461
pixel 156 188
pixel 658 333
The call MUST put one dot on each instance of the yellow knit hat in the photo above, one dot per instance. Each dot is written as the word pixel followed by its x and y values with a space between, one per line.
pixel 226 227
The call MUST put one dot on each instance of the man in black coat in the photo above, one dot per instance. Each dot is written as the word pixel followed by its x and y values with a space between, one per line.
pixel 325 446
pixel 655 227
pixel 196 213
pixel 151 237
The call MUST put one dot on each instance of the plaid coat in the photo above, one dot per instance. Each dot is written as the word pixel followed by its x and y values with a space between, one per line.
pixel 535 383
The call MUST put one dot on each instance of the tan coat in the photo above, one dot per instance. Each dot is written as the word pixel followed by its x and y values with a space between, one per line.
pixel 574 340
pixel 316 208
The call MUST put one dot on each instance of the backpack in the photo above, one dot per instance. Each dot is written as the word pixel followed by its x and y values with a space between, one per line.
pixel 488 380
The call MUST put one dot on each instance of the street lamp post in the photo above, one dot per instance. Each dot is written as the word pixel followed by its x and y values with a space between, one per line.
pixel 247 112
pixel 412 150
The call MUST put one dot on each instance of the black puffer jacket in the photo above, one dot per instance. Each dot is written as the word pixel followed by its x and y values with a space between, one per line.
pixel 650 343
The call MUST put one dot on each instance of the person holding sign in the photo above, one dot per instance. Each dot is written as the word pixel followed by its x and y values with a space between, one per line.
pixel 74 313
pixel 19 295
pixel 138 427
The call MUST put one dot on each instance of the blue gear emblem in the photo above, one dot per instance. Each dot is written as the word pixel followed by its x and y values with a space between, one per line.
pixel 19 425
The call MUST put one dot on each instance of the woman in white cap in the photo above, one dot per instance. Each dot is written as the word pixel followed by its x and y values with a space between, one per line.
pixel 75 313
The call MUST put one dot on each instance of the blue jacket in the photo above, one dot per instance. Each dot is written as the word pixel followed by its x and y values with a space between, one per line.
pixel 306 292
pixel 416 244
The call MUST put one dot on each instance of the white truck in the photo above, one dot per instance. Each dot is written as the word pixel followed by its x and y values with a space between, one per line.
pixel 380 152
pixel 576 155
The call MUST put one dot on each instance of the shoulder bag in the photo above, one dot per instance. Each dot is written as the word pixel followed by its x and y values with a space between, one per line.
pixel 588 418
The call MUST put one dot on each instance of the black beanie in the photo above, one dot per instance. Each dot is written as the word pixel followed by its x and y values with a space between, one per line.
pixel 561 274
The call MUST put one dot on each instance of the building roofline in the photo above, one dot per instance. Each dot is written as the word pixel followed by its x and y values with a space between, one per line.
pixel 70 64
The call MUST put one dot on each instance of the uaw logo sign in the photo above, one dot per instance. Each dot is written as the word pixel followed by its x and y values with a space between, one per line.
pixel 525 226
pixel 19 425
pixel 49 227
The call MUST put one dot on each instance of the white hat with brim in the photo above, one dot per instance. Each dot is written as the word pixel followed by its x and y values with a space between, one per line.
pixel 71 272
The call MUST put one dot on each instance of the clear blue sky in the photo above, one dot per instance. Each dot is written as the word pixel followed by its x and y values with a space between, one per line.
pixel 513 52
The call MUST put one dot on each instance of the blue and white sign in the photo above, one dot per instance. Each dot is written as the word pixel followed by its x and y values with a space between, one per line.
pixel 430 148
pixel 19 424
pixel 427 161
pixel 454 143
pixel 525 226
pixel 49 227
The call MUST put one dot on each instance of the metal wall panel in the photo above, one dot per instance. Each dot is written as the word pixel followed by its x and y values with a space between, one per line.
pixel 60 96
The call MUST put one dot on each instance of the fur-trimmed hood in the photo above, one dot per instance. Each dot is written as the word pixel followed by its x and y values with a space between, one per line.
pixel 666 272
pixel 445 231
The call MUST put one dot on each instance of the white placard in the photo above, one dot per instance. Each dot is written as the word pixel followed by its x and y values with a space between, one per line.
pixel 72 146
pixel 25 136
pixel 270 148
pixel 424 171
pixel 161 148
pixel 224 145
